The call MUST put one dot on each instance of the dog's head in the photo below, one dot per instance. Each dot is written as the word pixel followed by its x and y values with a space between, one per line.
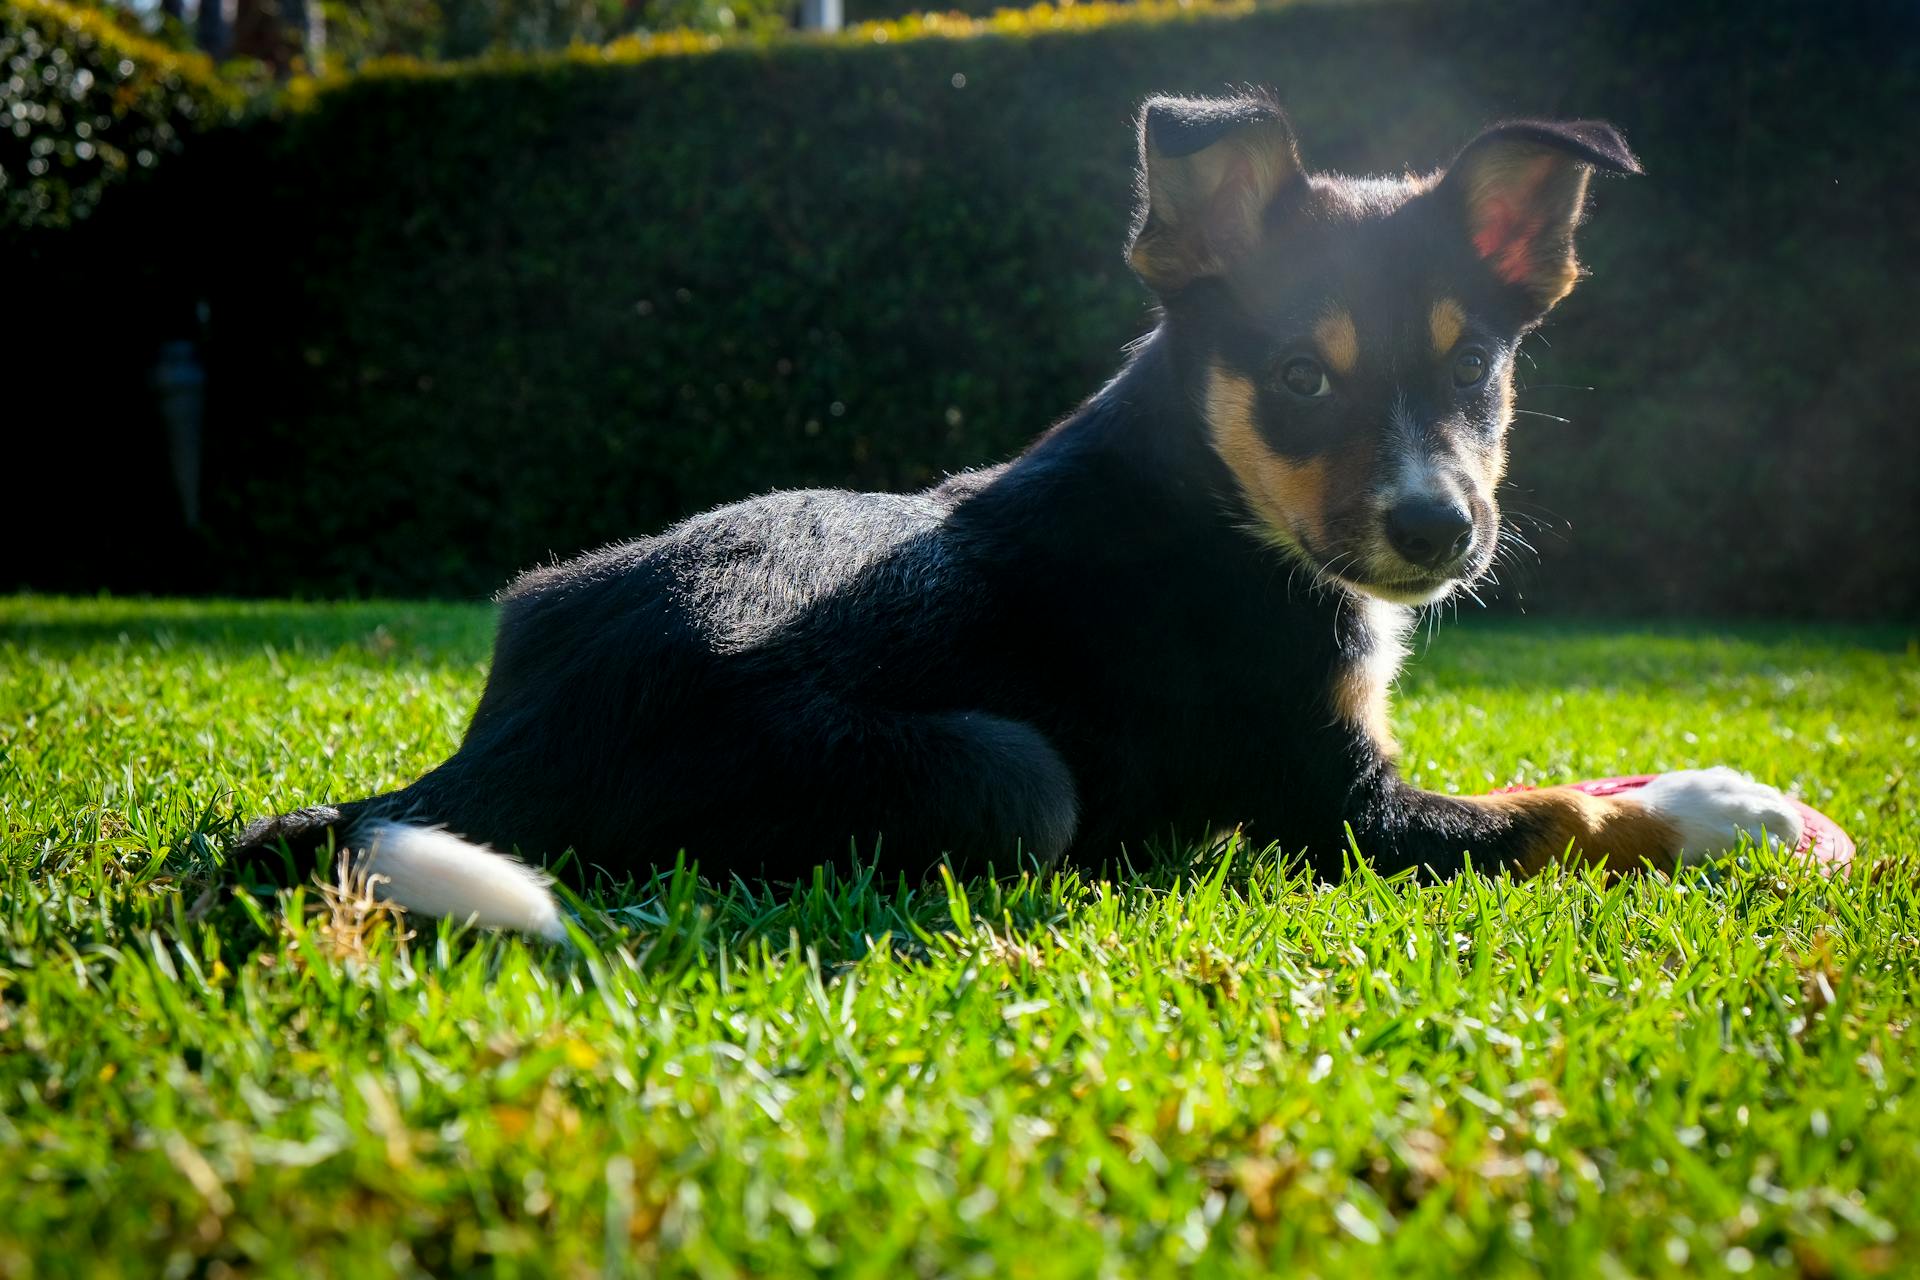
pixel 1350 341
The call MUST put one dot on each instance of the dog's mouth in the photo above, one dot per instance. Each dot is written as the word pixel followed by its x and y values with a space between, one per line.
pixel 1359 556
pixel 1378 572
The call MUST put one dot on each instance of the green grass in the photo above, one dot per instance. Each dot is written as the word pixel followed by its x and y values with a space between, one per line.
pixel 1217 1069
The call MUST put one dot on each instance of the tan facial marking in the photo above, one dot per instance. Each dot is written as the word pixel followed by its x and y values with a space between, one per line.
pixel 1444 323
pixel 1494 467
pixel 1337 341
pixel 1288 497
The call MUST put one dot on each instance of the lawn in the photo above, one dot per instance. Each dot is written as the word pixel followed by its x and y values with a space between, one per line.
pixel 1214 1067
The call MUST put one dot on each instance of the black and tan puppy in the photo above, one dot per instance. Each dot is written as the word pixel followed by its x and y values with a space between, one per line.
pixel 1179 611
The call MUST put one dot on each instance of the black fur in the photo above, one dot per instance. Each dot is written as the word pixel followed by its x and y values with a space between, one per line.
pixel 1080 650
pixel 1595 142
pixel 1030 656
pixel 1182 126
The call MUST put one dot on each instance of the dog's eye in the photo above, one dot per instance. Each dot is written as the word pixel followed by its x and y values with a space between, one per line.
pixel 1305 378
pixel 1469 368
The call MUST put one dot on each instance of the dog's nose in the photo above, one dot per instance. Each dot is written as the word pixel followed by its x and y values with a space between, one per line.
pixel 1428 533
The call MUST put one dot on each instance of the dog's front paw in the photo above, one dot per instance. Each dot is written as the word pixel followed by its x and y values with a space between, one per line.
pixel 1712 809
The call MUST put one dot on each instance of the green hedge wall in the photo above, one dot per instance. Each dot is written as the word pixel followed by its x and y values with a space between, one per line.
pixel 84 103
pixel 464 321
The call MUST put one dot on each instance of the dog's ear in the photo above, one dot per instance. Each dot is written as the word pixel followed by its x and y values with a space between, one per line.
pixel 1520 187
pixel 1209 167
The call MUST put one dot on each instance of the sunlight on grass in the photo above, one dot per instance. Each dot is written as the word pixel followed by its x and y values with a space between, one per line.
pixel 1215 1067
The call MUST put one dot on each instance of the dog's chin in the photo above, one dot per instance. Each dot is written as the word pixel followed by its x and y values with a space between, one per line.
pixel 1406 591
pixel 1400 583
pixel 1386 576
pixel 1381 574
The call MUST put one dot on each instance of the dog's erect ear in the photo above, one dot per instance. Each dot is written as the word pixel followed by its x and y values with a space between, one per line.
pixel 1209 167
pixel 1520 187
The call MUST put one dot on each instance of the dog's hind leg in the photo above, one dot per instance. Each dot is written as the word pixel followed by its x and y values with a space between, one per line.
pixel 973 788
pixel 979 787
pixel 775 793
pixel 283 848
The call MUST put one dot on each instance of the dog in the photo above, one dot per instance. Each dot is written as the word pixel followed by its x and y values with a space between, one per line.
pixel 1178 612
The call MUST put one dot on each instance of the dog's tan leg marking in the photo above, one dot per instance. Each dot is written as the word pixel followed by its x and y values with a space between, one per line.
pixel 1616 832
pixel 1289 498
pixel 1338 341
pixel 1444 325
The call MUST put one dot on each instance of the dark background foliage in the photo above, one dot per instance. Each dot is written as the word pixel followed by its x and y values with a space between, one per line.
pixel 459 322
pixel 84 103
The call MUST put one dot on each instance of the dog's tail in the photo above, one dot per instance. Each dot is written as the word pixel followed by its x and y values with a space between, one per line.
pixel 419 868
pixel 437 873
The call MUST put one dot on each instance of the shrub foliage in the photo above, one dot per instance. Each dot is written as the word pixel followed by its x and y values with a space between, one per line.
pixel 463 320
pixel 84 103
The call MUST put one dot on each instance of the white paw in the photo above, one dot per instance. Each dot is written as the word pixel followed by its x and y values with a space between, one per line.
pixel 1713 809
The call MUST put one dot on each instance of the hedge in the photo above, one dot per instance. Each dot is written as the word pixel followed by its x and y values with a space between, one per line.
pixel 84 103
pixel 468 319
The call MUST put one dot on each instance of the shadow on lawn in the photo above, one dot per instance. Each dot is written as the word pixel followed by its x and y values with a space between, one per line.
pixel 431 635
